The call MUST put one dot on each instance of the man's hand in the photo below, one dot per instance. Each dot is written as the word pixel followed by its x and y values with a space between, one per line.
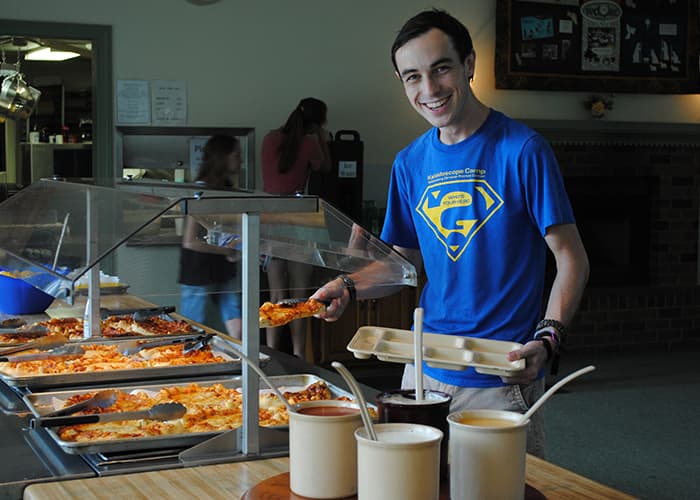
pixel 335 292
pixel 535 356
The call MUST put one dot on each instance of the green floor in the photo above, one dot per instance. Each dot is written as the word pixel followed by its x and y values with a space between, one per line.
pixel 632 424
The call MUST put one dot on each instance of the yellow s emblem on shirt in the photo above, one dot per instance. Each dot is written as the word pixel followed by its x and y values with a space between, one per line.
pixel 457 210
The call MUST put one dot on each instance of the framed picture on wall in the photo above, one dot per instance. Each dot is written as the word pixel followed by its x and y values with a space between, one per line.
pixel 645 46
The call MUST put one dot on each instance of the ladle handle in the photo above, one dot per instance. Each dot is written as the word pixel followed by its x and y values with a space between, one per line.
pixel 267 381
pixel 554 389
pixel 355 389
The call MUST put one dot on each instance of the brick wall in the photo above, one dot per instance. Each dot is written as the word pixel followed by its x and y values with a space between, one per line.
pixel 664 313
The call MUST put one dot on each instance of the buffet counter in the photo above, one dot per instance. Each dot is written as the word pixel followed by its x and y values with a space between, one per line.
pixel 38 469
pixel 237 479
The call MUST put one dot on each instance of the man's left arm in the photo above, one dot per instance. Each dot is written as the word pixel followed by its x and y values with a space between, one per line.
pixel 570 280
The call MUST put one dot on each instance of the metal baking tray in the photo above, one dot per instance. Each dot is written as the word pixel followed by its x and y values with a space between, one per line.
pixel 195 330
pixel 439 351
pixel 219 346
pixel 44 402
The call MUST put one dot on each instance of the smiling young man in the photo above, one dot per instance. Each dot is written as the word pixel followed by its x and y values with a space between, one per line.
pixel 477 200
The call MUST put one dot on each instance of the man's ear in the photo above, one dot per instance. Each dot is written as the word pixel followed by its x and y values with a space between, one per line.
pixel 397 75
pixel 470 65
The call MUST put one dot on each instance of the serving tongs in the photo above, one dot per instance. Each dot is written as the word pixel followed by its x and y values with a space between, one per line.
pixel 101 399
pixel 132 347
pixel 139 314
pixel 301 300
pixel 64 351
pixel 43 343
pixel 25 331
pixel 161 412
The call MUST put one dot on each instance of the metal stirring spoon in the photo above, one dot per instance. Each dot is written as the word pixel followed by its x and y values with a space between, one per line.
pixel 352 383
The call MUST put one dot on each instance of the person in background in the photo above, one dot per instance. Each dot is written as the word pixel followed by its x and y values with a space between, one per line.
pixel 289 154
pixel 208 272
pixel 476 201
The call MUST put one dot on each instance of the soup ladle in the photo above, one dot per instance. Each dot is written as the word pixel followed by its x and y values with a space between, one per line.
pixel 352 383
pixel 269 383
pixel 551 391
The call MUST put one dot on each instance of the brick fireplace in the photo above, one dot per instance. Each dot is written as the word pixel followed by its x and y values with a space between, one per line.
pixel 634 188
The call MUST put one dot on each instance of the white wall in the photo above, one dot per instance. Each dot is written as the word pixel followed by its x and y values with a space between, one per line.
pixel 248 63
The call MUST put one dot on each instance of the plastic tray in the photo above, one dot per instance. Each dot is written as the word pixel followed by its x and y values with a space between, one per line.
pixel 439 351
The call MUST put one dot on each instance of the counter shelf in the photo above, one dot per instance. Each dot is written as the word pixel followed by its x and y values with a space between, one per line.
pixel 40 403
pixel 219 346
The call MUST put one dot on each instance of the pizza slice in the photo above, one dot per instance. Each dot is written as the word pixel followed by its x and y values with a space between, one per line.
pixel 279 314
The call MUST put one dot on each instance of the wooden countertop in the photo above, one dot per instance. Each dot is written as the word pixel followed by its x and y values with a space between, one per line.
pixel 232 480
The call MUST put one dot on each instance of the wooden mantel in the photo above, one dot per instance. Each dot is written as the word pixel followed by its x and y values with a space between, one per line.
pixel 602 132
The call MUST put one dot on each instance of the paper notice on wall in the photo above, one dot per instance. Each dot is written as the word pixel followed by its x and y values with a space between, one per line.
pixel 600 36
pixel 168 102
pixel 133 105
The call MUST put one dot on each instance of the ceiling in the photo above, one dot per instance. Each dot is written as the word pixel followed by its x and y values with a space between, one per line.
pixel 11 46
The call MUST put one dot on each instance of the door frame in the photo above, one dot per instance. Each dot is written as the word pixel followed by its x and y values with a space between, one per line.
pixel 102 87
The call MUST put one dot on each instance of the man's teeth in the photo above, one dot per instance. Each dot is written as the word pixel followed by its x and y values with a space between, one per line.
pixel 436 104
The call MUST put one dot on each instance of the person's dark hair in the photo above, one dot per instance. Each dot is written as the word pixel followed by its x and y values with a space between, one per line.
pixel 425 21
pixel 214 169
pixel 307 117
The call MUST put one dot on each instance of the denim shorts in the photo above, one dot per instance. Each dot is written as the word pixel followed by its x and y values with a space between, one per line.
pixel 194 299
pixel 517 398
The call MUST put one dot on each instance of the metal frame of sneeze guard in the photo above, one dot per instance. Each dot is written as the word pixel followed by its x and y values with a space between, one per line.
pixel 301 228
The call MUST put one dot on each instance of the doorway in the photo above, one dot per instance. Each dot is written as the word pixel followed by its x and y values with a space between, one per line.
pixel 99 38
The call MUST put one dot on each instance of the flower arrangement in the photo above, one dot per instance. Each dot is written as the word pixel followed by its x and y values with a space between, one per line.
pixel 597 105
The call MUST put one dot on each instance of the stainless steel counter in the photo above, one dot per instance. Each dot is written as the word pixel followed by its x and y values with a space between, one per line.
pixel 30 457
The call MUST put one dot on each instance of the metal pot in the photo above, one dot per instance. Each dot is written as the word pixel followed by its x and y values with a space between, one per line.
pixel 17 99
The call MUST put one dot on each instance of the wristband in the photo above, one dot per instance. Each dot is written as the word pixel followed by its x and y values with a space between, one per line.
pixel 547 346
pixel 553 323
pixel 349 285
pixel 552 334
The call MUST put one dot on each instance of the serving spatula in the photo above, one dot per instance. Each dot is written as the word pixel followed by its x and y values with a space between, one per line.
pixel 161 412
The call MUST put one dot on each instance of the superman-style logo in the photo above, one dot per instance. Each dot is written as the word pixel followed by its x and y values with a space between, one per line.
pixel 457 210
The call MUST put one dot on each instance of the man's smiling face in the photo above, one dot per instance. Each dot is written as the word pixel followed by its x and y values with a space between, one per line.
pixel 436 82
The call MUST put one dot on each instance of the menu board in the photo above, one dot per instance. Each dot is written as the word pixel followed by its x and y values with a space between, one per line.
pixel 598 45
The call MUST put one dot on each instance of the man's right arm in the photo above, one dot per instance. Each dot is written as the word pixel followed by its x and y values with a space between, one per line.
pixel 369 283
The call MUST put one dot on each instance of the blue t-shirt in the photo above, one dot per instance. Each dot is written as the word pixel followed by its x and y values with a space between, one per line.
pixel 478 211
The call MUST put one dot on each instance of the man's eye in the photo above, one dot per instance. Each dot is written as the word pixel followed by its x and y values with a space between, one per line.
pixel 442 69
pixel 410 78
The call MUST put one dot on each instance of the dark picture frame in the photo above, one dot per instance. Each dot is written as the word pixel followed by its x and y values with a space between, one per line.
pixel 644 46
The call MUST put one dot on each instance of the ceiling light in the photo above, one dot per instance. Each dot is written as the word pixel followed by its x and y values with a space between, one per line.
pixel 47 54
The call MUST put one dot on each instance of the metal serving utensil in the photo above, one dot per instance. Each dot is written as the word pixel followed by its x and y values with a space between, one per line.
pixel 162 412
pixel 101 399
pixel 30 331
pixel 131 347
pixel 57 352
pixel 47 342
pixel 293 302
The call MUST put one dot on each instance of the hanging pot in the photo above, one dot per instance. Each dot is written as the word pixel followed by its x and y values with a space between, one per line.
pixel 17 99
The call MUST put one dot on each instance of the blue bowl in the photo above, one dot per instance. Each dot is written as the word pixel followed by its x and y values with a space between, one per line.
pixel 19 297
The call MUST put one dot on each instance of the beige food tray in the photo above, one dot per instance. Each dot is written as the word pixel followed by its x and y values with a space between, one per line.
pixel 439 351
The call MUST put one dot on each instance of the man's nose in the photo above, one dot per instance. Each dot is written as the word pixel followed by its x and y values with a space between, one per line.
pixel 430 86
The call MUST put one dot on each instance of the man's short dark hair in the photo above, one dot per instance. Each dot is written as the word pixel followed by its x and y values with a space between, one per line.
pixel 425 21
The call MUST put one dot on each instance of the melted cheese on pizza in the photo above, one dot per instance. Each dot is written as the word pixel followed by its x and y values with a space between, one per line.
pixel 209 409
pixel 100 357
pixel 272 315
